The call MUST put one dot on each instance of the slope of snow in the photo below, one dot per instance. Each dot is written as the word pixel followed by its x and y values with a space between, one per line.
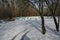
pixel 14 30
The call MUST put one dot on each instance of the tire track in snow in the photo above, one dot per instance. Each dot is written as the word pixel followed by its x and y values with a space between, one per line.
pixel 26 31
pixel 18 34
pixel 24 35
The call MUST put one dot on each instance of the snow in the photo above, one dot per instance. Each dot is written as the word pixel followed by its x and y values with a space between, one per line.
pixel 31 26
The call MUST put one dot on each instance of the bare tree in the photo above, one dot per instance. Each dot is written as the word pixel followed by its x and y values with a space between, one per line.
pixel 40 11
pixel 52 9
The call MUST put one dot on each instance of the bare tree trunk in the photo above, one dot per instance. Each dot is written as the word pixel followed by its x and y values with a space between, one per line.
pixel 57 24
pixel 43 27
pixel 58 21
pixel 42 18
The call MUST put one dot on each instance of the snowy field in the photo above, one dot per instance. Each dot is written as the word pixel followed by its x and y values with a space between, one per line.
pixel 31 26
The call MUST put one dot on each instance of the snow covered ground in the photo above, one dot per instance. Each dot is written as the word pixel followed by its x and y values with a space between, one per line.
pixel 31 26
